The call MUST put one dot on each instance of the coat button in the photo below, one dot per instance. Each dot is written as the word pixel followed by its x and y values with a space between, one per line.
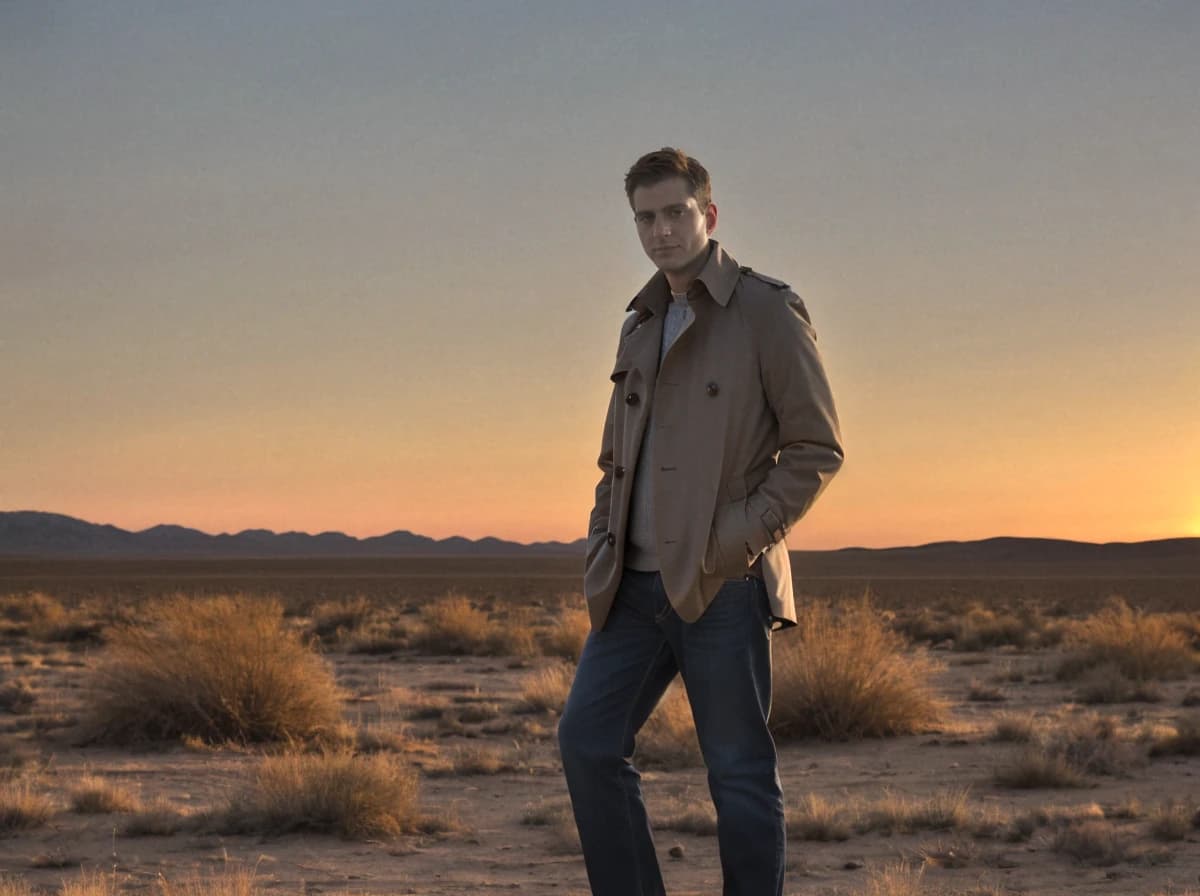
pixel 612 539
pixel 618 471
pixel 712 388
pixel 631 398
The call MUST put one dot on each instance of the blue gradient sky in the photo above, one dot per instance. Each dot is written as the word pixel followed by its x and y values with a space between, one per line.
pixel 361 267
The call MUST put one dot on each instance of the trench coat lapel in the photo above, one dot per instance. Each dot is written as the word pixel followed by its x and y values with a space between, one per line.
pixel 640 351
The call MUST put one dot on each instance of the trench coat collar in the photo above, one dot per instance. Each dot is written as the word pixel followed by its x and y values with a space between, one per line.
pixel 719 276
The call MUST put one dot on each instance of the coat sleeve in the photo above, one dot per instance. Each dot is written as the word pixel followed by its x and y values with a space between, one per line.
pixel 810 445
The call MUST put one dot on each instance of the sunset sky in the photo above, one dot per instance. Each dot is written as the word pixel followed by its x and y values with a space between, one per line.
pixel 361 266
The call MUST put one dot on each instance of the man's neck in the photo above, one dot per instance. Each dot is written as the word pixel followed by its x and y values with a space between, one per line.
pixel 681 280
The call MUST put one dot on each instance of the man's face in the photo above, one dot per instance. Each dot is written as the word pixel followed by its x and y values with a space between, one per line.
pixel 674 230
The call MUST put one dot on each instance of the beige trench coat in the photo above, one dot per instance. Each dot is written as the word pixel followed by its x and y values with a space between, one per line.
pixel 746 437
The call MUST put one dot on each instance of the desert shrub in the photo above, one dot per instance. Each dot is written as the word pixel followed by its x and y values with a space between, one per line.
pixel 338 793
pixel 894 813
pixel 981 628
pixel 95 796
pixel 848 675
pixel 1067 755
pixel 333 621
pixel 1143 646
pixel 1014 728
pixel 158 819
pixel 22 807
pixel 547 689
pixel 1108 684
pixel 15 886
pixel 454 626
pixel 559 823
pixel 470 760
pixel 567 635
pixel 978 692
pixel 1100 843
pixel 894 880
pixel 233 881
pixel 816 818
pixel 216 669
pixel 92 883
pixel 1172 820
pixel 668 739
pixel 1184 741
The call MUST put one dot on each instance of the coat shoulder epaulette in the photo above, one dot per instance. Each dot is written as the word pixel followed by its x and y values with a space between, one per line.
pixel 770 281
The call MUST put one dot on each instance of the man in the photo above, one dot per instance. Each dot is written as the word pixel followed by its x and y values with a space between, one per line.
pixel 720 434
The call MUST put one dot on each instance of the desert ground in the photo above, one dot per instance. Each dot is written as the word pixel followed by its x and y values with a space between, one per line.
pixel 391 730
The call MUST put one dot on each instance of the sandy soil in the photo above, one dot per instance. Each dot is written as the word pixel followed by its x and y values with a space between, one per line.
pixel 496 852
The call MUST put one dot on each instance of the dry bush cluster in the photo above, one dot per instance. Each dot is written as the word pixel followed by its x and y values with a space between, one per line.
pixel 846 674
pixel 338 793
pixel 216 669
pixel 980 628
pixel 40 617
pixel 22 807
pixel 456 626
pixel 95 796
pixel 1140 646
pixel 819 818
pixel 1067 755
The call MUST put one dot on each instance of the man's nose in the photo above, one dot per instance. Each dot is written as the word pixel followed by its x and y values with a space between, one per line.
pixel 662 228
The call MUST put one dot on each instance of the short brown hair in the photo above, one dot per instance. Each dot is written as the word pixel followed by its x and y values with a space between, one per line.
pixel 666 163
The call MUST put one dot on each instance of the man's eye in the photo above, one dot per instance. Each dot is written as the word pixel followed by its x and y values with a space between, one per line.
pixel 676 213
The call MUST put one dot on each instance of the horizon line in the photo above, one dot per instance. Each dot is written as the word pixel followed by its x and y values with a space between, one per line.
pixel 584 537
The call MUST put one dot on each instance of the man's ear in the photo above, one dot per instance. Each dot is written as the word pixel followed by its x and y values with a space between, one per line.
pixel 710 218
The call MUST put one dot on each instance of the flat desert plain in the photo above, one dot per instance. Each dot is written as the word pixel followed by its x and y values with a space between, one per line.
pixel 961 734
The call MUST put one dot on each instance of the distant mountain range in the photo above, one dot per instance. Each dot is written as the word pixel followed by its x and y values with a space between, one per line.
pixel 34 533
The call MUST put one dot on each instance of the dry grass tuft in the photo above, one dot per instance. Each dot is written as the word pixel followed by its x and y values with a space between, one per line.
pixel 231 882
pixel 472 760
pixel 668 739
pixel 848 675
pixel 1100 843
pixel 341 793
pixel 454 626
pixel 1067 755
pixel 568 634
pixel 547 689
pixel 944 810
pixel 556 818
pixel 96 796
pixel 894 880
pixel 816 818
pixel 1173 820
pixel 216 669
pixel 22 808
pixel 1185 741
pixel 982 628
pixel 1108 684
pixel 1014 728
pixel 15 886
pixel 1142 646
pixel 686 817
pixel 337 621
pixel 158 819
pixel 92 883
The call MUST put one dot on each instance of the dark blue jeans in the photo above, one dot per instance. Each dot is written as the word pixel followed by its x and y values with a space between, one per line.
pixel 725 661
